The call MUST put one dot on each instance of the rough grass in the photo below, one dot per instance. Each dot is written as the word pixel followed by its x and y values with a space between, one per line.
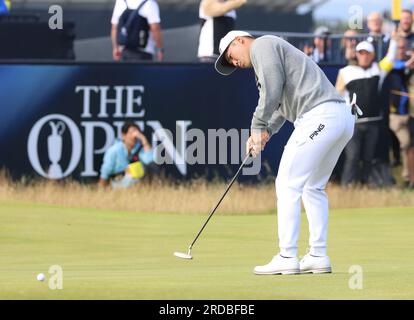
pixel 192 197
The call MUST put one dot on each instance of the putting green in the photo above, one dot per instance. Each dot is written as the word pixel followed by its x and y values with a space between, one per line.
pixel 124 255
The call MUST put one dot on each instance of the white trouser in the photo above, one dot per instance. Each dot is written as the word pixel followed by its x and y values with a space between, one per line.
pixel 307 162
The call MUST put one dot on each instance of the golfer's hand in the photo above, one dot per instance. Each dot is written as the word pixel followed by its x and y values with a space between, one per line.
pixel 256 142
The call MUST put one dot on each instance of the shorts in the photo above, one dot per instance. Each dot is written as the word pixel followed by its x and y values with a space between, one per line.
pixel 411 129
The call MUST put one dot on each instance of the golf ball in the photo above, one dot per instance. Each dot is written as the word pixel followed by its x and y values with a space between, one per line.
pixel 40 277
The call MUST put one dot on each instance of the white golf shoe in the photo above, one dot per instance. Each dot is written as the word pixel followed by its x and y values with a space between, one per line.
pixel 279 265
pixel 313 264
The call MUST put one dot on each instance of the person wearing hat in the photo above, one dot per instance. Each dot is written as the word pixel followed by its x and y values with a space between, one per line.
pixel 292 87
pixel 366 80
pixel 320 52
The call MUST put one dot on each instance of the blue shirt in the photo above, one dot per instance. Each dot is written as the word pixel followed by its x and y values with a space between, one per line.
pixel 116 158
pixel 3 7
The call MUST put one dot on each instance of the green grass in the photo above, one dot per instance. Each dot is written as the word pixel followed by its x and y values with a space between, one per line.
pixel 123 255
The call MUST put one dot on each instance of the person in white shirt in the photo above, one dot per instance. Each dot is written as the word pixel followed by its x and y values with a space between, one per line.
pixel 217 19
pixel 154 48
pixel 366 80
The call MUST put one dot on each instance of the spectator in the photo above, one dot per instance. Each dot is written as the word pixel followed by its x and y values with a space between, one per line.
pixel 380 40
pixel 365 80
pixel 4 7
pixel 320 52
pixel 217 19
pixel 396 153
pixel 399 103
pixel 130 152
pixel 411 148
pixel 405 28
pixel 411 130
pixel 348 45
pixel 151 45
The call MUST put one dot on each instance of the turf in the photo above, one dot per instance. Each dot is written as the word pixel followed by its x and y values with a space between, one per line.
pixel 125 255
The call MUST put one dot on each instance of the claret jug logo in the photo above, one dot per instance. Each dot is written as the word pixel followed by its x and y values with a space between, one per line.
pixel 56 124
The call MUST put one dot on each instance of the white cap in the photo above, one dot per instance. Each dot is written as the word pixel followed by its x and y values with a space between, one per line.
pixel 366 46
pixel 222 65
pixel 322 31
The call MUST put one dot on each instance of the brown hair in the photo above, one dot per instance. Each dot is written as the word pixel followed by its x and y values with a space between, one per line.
pixel 127 125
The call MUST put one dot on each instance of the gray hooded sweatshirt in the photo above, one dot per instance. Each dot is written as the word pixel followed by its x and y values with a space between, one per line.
pixel 289 83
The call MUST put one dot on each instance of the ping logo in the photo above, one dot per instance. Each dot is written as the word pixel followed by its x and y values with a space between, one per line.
pixel 315 133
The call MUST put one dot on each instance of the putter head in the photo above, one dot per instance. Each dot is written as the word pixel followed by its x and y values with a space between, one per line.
pixel 183 255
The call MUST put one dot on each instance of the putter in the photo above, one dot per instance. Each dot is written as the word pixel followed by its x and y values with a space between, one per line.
pixel 188 255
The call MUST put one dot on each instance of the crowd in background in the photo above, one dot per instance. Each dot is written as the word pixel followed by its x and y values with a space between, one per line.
pixel 4 6
pixel 378 68
pixel 216 17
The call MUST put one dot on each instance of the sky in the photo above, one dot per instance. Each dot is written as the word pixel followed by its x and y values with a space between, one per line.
pixel 339 8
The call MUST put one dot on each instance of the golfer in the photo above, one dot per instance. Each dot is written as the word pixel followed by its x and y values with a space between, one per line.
pixel 292 87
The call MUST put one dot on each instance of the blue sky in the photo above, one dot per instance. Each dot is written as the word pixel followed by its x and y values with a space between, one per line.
pixel 339 8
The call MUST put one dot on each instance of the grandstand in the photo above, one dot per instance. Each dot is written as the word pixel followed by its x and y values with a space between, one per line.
pixel 180 22
pixel 91 16
pixel 271 5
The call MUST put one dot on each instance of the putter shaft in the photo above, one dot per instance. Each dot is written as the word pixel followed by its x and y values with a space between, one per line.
pixel 221 199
